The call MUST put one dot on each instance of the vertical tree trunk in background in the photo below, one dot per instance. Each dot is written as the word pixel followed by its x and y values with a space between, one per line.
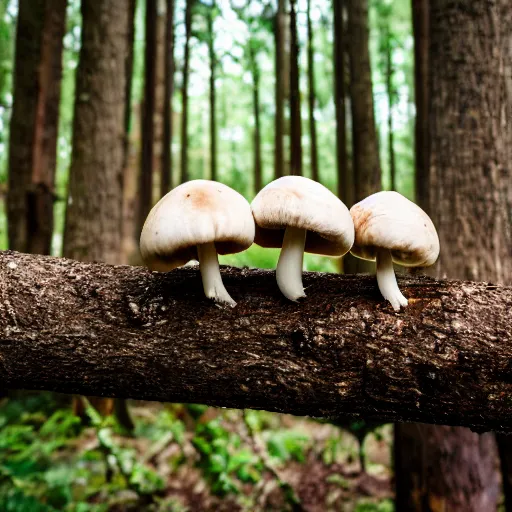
pixel 34 124
pixel 166 170
pixel 420 24
pixel 470 201
pixel 94 209
pixel 130 171
pixel 148 113
pixel 279 31
pixel 213 66
pixel 344 174
pixel 255 72
pixel 365 155
pixel 295 117
pixel 315 175
pixel 184 92
pixel 366 170
pixel 391 103
pixel 505 451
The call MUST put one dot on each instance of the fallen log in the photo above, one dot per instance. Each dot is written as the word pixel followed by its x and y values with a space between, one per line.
pixel 121 331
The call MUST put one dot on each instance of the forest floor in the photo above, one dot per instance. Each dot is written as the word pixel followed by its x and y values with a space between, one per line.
pixel 185 458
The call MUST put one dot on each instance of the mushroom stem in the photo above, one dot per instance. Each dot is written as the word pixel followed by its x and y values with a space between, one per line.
pixel 289 266
pixel 210 274
pixel 386 280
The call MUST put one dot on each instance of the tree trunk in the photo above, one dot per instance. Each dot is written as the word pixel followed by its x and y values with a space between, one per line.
pixel 365 155
pixel 470 200
pixel 94 211
pixel 34 124
pixel 167 165
pixel 130 169
pixel 213 67
pixel 391 103
pixel 315 175
pixel 453 477
pixel 295 117
pixel 505 451
pixel 420 23
pixel 366 170
pixel 255 71
pixel 148 113
pixel 184 92
pixel 128 332
pixel 279 33
pixel 344 174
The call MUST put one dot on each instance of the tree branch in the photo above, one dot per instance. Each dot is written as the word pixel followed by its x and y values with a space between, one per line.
pixel 96 329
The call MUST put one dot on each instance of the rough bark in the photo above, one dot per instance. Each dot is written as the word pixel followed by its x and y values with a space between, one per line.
pixel 365 154
pixel 34 124
pixel 470 199
pixel 124 331
pixel 315 175
pixel 255 72
pixel 93 217
pixel 279 32
pixel 213 68
pixel 295 111
pixel 148 113
pixel 344 174
pixel 420 23
pixel 184 92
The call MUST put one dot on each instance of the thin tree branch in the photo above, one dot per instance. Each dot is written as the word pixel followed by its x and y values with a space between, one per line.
pixel 119 331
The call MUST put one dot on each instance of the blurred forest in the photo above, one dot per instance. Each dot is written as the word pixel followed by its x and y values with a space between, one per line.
pixel 106 105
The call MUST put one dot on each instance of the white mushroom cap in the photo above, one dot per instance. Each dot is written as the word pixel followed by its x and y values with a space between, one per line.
pixel 295 201
pixel 196 212
pixel 388 220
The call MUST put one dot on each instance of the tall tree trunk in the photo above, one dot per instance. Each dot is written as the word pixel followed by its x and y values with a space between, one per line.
pixel 295 117
pixel 213 67
pixel 391 103
pixel 130 171
pixel 505 451
pixel 365 149
pixel 166 170
pixel 255 71
pixel 279 33
pixel 184 92
pixel 470 201
pixel 148 114
pixel 365 153
pixel 312 98
pixel 94 209
pixel 344 174
pixel 34 124
pixel 420 23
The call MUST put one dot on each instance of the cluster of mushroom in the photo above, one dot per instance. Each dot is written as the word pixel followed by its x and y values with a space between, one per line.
pixel 200 219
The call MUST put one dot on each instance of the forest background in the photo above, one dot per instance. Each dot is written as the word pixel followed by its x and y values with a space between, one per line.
pixel 242 92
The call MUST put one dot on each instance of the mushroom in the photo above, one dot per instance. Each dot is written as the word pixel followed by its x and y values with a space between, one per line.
pixel 198 220
pixel 299 214
pixel 390 228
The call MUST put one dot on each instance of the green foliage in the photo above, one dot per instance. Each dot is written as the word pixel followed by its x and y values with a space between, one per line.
pixel 224 461
pixel 286 445
pixel 369 506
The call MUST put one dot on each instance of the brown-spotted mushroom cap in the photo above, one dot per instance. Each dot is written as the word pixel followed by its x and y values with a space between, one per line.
pixel 197 220
pixel 390 228
pixel 299 214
